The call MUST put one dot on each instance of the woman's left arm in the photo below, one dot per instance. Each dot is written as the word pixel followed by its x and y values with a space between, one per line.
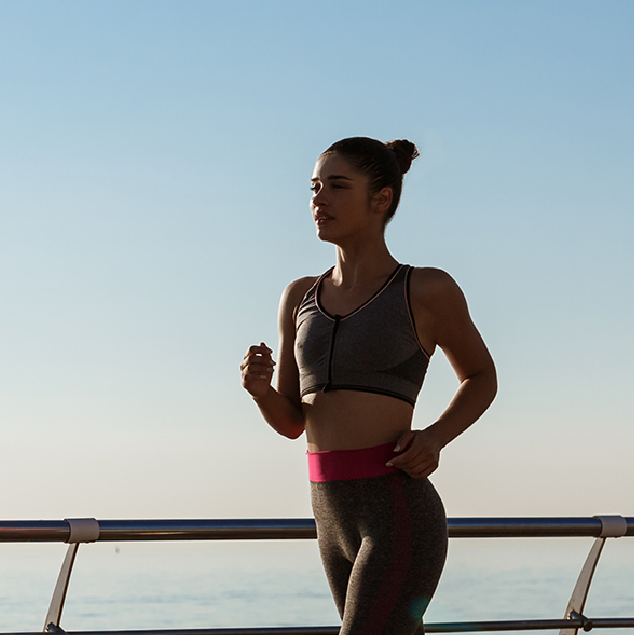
pixel 441 313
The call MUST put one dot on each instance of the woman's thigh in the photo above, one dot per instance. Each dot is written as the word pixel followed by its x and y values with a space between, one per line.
pixel 392 531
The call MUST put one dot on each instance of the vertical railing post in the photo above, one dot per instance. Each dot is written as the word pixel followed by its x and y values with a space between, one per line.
pixel 81 530
pixel 611 527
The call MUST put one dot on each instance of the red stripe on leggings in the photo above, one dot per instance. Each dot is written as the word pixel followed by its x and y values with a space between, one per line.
pixel 387 596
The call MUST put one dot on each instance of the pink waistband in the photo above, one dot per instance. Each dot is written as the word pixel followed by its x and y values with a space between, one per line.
pixel 346 465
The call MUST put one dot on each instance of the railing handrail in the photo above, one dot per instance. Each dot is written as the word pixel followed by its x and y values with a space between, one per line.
pixel 82 530
pixel 436 627
pixel 16 531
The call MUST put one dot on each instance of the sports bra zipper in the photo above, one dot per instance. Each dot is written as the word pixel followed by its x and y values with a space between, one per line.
pixel 335 328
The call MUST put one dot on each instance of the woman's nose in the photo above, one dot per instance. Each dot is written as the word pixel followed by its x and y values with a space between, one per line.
pixel 319 198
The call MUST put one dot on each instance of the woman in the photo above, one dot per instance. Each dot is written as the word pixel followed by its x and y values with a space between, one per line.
pixel 354 348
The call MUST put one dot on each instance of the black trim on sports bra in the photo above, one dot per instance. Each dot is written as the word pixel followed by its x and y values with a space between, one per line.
pixel 408 277
pixel 375 295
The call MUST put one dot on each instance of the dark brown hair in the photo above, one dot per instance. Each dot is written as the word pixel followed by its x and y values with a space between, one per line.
pixel 384 163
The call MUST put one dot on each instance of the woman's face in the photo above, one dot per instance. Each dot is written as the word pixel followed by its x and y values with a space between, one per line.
pixel 341 204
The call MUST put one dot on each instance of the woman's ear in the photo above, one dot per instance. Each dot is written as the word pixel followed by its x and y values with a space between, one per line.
pixel 382 200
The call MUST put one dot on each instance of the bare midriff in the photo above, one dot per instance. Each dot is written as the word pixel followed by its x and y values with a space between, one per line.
pixel 351 420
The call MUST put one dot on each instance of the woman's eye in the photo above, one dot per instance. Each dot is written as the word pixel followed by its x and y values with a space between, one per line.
pixel 314 187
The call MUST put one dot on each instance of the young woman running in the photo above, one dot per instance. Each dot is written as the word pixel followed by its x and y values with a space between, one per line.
pixel 354 347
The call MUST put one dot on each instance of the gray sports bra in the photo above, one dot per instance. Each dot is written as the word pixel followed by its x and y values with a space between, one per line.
pixel 373 349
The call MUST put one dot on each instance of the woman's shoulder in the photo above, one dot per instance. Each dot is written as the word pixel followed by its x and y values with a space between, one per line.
pixel 299 287
pixel 294 293
pixel 432 277
pixel 430 285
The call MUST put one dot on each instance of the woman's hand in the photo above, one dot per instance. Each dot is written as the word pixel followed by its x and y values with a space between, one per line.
pixel 422 455
pixel 278 410
pixel 257 370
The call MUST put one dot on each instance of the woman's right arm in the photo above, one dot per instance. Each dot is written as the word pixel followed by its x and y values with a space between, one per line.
pixel 281 407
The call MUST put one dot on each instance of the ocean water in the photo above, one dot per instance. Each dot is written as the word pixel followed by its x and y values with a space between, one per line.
pixel 280 583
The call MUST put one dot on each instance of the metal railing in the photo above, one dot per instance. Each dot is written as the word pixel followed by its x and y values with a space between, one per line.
pixel 78 531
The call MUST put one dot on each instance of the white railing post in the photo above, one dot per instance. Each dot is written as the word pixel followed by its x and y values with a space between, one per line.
pixel 81 530
pixel 611 527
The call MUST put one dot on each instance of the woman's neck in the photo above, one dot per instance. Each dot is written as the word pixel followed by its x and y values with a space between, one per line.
pixel 358 266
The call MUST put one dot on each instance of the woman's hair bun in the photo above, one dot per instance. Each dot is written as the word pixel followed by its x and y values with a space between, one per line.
pixel 383 163
pixel 405 152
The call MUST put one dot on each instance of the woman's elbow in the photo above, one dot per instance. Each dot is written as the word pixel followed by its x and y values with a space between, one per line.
pixel 492 382
pixel 293 432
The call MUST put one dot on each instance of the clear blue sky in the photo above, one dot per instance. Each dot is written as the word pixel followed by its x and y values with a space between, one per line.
pixel 155 159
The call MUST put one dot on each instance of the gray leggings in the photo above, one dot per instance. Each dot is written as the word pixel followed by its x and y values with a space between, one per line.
pixel 383 543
